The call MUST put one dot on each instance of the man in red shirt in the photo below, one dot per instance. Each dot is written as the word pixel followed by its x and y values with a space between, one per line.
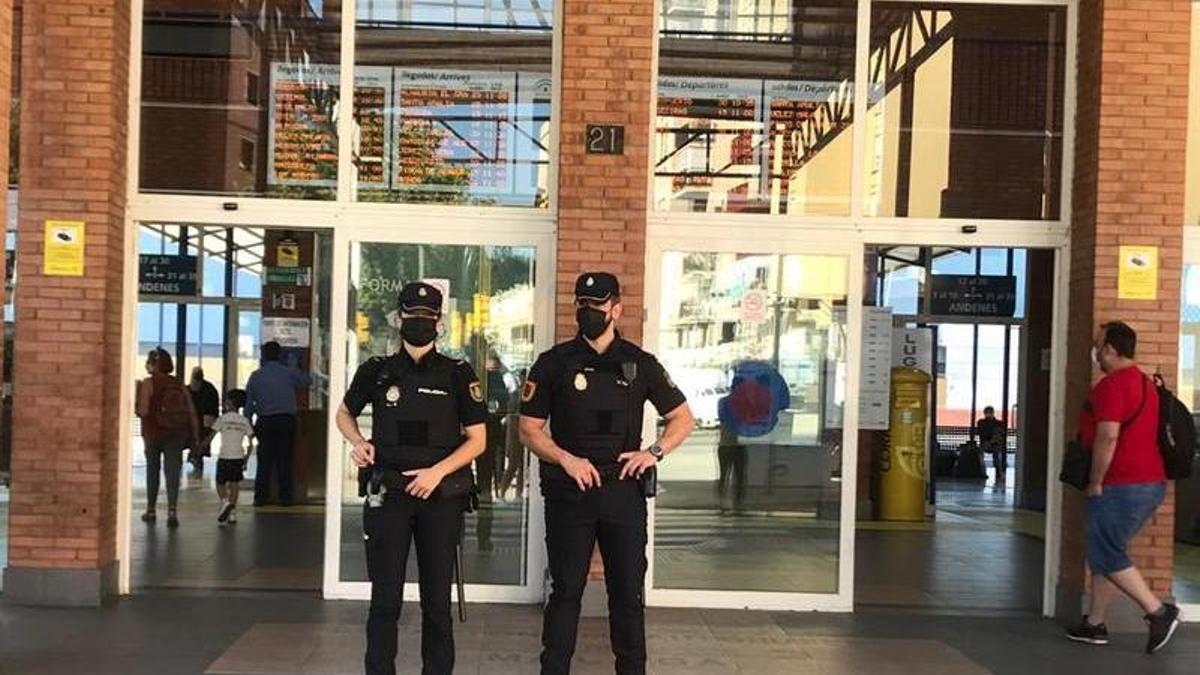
pixel 1128 482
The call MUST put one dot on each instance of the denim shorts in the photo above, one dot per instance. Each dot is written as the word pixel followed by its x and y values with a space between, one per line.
pixel 1113 519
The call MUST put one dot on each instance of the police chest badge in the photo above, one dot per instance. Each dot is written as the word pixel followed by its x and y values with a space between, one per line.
pixel 392 395
pixel 476 392
pixel 581 382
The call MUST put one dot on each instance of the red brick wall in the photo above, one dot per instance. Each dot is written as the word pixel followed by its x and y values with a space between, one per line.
pixel 607 75
pixel 606 79
pixel 1129 187
pixel 68 346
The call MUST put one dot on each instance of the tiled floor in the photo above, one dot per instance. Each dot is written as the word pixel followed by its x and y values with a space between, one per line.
pixel 184 633
pixel 978 555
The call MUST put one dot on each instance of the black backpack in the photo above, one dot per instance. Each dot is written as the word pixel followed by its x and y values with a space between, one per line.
pixel 1176 433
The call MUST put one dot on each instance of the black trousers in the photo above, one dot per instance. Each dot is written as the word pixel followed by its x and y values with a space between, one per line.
pixel 276 436
pixel 615 516
pixel 387 530
pixel 732 460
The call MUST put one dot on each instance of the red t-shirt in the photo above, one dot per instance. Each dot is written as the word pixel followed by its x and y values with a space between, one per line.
pixel 1118 398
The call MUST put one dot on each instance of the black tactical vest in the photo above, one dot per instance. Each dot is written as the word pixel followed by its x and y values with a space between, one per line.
pixel 597 411
pixel 415 416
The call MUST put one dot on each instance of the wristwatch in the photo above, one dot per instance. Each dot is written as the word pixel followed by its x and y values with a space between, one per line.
pixel 656 451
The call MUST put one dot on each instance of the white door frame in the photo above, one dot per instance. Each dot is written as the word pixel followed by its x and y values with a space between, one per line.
pixel 364 224
pixel 751 234
pixel 710 237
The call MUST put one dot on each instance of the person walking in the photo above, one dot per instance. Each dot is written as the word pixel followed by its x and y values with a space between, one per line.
pixel 234 430
pixel 207 403
pixel 428 420
pixel 169 423
pixel 592 391
pixel 1128 482
pixel 271 405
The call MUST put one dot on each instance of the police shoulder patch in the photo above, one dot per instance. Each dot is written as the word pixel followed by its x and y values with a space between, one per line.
pixel 528 390
pixel 476 392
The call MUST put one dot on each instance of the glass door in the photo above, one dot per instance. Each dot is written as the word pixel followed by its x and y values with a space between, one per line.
pixel 753 509
pixel 495 319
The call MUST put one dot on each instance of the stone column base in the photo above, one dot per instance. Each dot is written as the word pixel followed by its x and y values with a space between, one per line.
pixel 50 587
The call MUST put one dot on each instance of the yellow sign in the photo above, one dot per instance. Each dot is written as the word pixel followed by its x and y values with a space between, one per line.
pixel 1137 277
pixel 287 253
pixel 63 250
pixel 363 328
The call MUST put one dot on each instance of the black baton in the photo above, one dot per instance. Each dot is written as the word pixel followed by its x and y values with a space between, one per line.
pixel 458 574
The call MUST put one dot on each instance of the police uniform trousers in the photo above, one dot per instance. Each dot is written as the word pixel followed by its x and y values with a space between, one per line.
pixel 615 516
pixel 434 525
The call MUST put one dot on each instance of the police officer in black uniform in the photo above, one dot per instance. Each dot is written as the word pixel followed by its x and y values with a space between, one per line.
pixel 593 389
pixel 428 426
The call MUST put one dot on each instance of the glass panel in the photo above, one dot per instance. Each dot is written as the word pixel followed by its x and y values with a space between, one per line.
pixel 1187 492
pixel 249 341
pixel 752 501
pixel 215 263
pixel 240 98
pixel 755 106
pixel 453 101
pixel 248 256
pixel 965 111
pixel 205 346
pixel 489 322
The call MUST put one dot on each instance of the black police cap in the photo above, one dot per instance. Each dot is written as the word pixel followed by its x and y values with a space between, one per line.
pixel 597 286
pixel 417 295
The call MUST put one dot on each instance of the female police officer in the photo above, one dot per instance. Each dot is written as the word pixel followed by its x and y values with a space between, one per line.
pixel 428 426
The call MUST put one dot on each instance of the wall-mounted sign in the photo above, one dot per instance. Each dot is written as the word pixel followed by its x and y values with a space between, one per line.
pixel 753 307
pixel 875 376
pixel 167 274
pixel 605 139
pixel 63 250
pixel 287 253
pixel 287 332
pixel 289 276
pixel 968 295
pixel 913 348
pixel 1137 277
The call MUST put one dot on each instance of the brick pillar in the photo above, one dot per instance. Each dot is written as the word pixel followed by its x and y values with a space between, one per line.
pixel 607 75
pixel 63 514
pixel 1128 190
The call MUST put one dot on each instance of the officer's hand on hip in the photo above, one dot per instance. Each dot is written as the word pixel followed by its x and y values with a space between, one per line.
pixel 635 463
pixel 363 454
pixel 582 472
pixel 424 482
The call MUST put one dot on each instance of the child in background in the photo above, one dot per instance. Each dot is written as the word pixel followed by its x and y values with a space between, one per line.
pixel 234 429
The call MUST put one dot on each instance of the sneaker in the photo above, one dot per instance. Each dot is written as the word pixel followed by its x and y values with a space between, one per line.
pixel 232 515
pixel 149 517
pixel 1089 634
pixel 1162 627
pixel 226 509
pixel 172 519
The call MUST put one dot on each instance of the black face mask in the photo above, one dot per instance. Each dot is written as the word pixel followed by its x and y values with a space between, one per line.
pixel 592 322
pixel 418 332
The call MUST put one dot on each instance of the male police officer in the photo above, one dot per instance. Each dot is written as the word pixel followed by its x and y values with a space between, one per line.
pixel 428 426
pixel 594 390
